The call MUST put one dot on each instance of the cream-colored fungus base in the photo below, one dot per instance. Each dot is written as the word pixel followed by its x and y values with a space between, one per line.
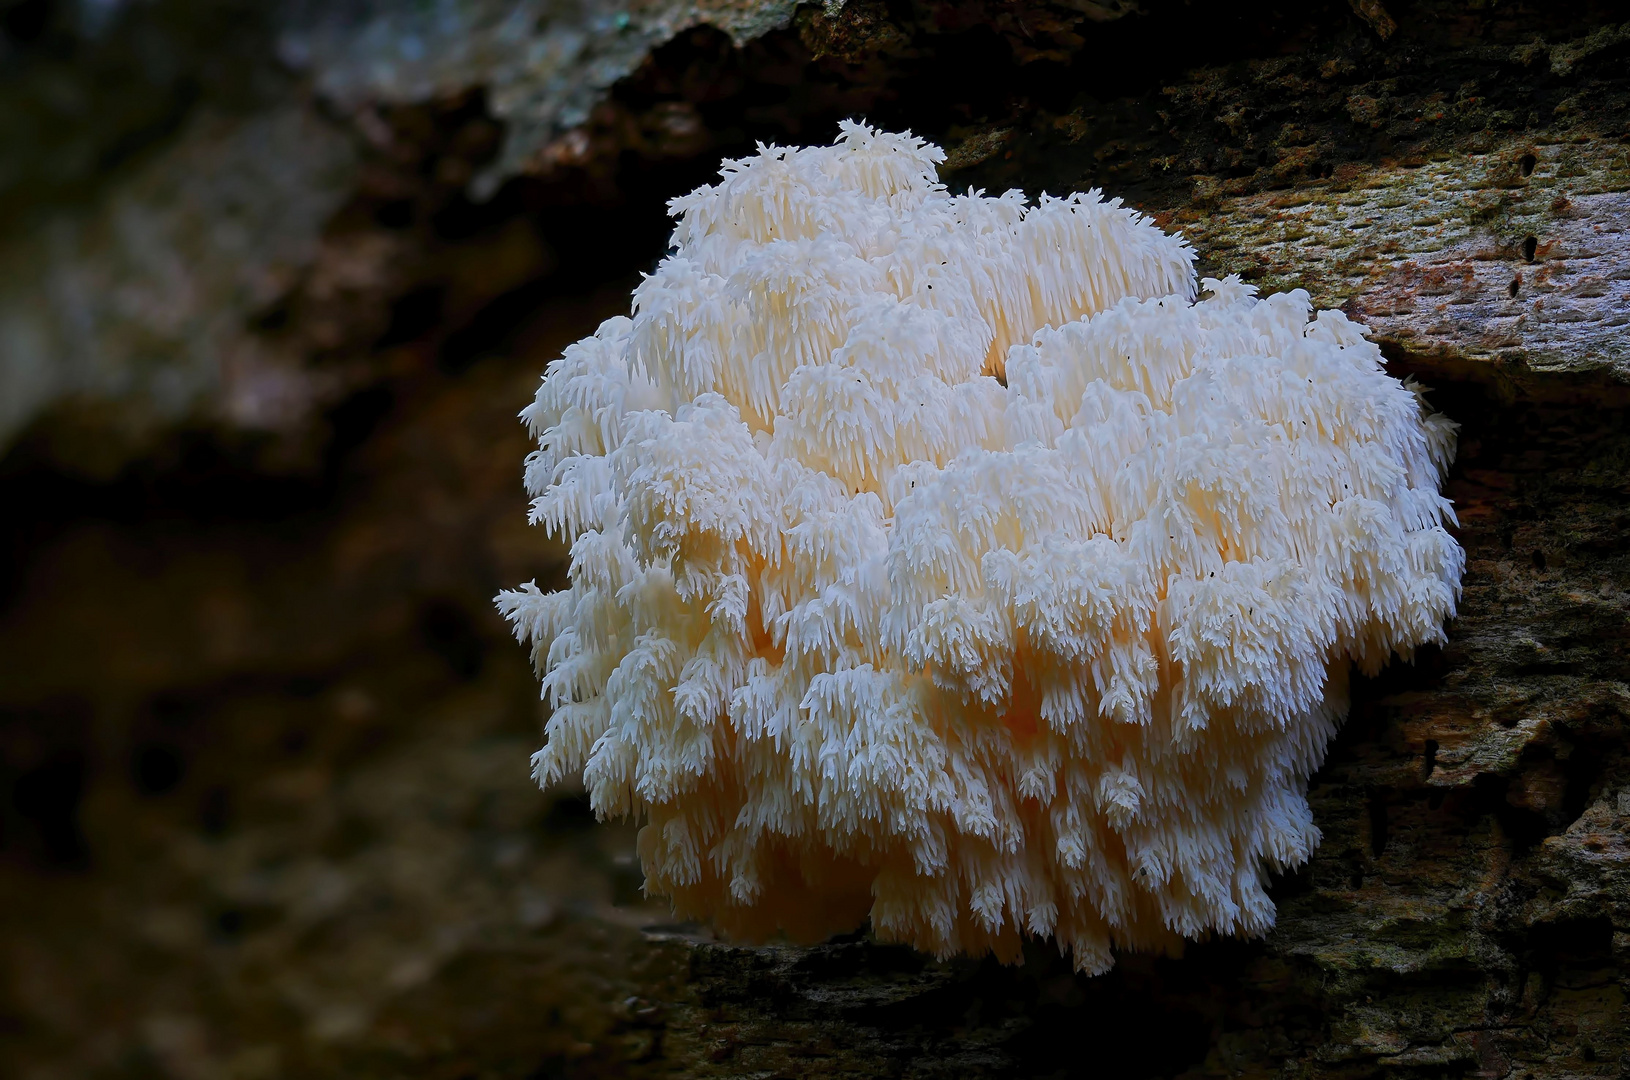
pixel 937 558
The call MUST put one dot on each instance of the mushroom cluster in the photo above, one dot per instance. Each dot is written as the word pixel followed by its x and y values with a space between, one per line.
pixel 938 559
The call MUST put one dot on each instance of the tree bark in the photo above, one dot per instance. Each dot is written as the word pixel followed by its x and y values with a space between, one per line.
pixel 266 742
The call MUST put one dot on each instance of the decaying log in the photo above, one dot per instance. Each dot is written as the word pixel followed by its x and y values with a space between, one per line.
pixel 266 743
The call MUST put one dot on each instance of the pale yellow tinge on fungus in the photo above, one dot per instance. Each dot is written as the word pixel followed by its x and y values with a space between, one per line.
pixel 860 629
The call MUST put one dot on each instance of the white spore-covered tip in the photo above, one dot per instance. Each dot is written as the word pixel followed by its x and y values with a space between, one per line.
pixel 938 559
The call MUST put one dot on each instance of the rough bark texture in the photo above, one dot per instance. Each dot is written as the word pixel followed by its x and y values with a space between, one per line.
pixel 267 320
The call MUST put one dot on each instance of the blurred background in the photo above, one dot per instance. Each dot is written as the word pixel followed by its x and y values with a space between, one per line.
pixel 275 279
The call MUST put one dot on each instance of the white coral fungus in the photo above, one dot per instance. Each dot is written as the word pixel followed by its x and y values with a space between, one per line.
pixel 938 559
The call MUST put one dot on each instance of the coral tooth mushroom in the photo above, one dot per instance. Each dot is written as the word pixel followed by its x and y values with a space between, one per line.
pixel 939 560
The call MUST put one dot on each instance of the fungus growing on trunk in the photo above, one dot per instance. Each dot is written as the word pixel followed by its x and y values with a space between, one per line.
pixel 939 559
